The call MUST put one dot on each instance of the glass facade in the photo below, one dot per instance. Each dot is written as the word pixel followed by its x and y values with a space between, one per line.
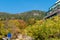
pixel 56 5
pixel 53 8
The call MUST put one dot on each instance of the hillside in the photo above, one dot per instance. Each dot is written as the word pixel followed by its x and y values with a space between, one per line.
pixel 35 27
pixel 25 15
pixel 48 29
pixel 36 14
pixel 4 15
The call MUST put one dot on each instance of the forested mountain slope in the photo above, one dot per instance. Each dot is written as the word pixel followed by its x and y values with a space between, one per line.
pixel 25 15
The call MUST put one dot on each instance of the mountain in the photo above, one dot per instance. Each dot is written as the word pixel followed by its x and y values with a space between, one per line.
pixel 32 14
pixel 36 14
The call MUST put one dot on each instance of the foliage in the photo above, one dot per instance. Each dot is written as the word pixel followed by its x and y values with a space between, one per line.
pixel 45 29
pixel 31 25
pixel 13 26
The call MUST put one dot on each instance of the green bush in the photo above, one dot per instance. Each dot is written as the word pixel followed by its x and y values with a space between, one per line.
pixel 45 29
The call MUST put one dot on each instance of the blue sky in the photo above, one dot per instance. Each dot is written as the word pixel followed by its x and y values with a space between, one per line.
pixel 18 6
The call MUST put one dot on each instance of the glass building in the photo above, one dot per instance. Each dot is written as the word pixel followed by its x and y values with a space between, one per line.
pixel 54 10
